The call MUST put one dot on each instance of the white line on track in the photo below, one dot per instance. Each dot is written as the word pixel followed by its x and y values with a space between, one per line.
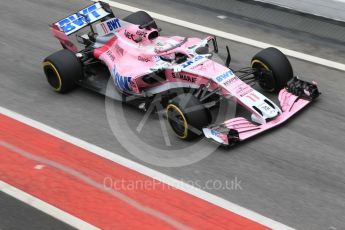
pixel 45 207
pixel 213 199
pixel 118 195
pixel 229 36
pixel 342 1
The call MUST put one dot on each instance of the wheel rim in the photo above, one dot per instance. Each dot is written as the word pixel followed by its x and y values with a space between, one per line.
pixel 177 121
pixel 53 76
pixel 266 81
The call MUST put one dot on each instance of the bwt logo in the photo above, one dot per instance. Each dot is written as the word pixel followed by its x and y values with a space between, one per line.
pixel 215 133
pixel 114 24
pixel 224 76
pixel 122 82
pixel 188 63
pixel 78 20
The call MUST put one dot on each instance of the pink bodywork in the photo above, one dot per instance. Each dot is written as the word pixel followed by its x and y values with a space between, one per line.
pixel 130 59
pixel 290 105
pixel 139 59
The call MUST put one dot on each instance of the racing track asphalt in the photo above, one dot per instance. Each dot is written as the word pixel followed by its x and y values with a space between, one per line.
pixel 294 174
pixel 17 215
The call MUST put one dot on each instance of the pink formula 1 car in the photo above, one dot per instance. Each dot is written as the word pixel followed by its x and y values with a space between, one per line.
pixel 142 64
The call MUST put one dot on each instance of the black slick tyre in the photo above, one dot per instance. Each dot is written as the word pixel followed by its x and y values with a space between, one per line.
pixel 187 116
pixel 62 70
pixel 274 61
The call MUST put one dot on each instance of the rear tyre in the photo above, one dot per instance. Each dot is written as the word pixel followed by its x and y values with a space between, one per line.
pixel 63 70
pixel 187 116
pixel 140 18
pixel 274 61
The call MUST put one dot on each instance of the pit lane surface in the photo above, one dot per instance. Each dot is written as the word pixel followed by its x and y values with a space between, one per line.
pixel 294 174
pixel 18 215
pixel 326 8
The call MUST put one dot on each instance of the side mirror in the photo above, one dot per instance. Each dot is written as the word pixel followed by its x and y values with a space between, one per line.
pixel 212 42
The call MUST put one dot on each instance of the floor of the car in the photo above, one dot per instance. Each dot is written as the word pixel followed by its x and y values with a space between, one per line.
pixel 96 79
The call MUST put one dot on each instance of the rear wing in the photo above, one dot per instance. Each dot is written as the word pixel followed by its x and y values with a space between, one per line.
pixel 77 21
pixel 84 17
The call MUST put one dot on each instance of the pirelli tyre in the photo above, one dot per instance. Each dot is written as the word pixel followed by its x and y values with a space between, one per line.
pixel 187 116
pixel 140 18
pixel 62 70
pixel 274 69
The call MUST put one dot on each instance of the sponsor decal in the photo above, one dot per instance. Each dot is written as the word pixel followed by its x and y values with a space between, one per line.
pixel 141 33
pixel 224 76
pixel 110 25
pixel 253 97
pixel 104 27
pixel 184 77
pixel 110 55
pixel 81 18
pixel 143 59
pixel 190 62
pixel 230 81
pixel 113 24
pixel 265 108
pixel 242 91
pixel 123 82
pixel 118 50
pixel 215 133
pixel 129 35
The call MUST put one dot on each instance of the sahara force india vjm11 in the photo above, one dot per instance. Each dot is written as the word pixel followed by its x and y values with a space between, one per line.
pixel 143 64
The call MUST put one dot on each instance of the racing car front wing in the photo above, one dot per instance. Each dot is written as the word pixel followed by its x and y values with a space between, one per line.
pixel 292 99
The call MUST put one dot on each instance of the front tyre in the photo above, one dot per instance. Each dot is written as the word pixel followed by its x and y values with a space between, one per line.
pixel 187 116
pixel 274 69
pixel 62 70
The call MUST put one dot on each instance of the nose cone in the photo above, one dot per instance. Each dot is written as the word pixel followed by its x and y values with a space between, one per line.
pixel 267 111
